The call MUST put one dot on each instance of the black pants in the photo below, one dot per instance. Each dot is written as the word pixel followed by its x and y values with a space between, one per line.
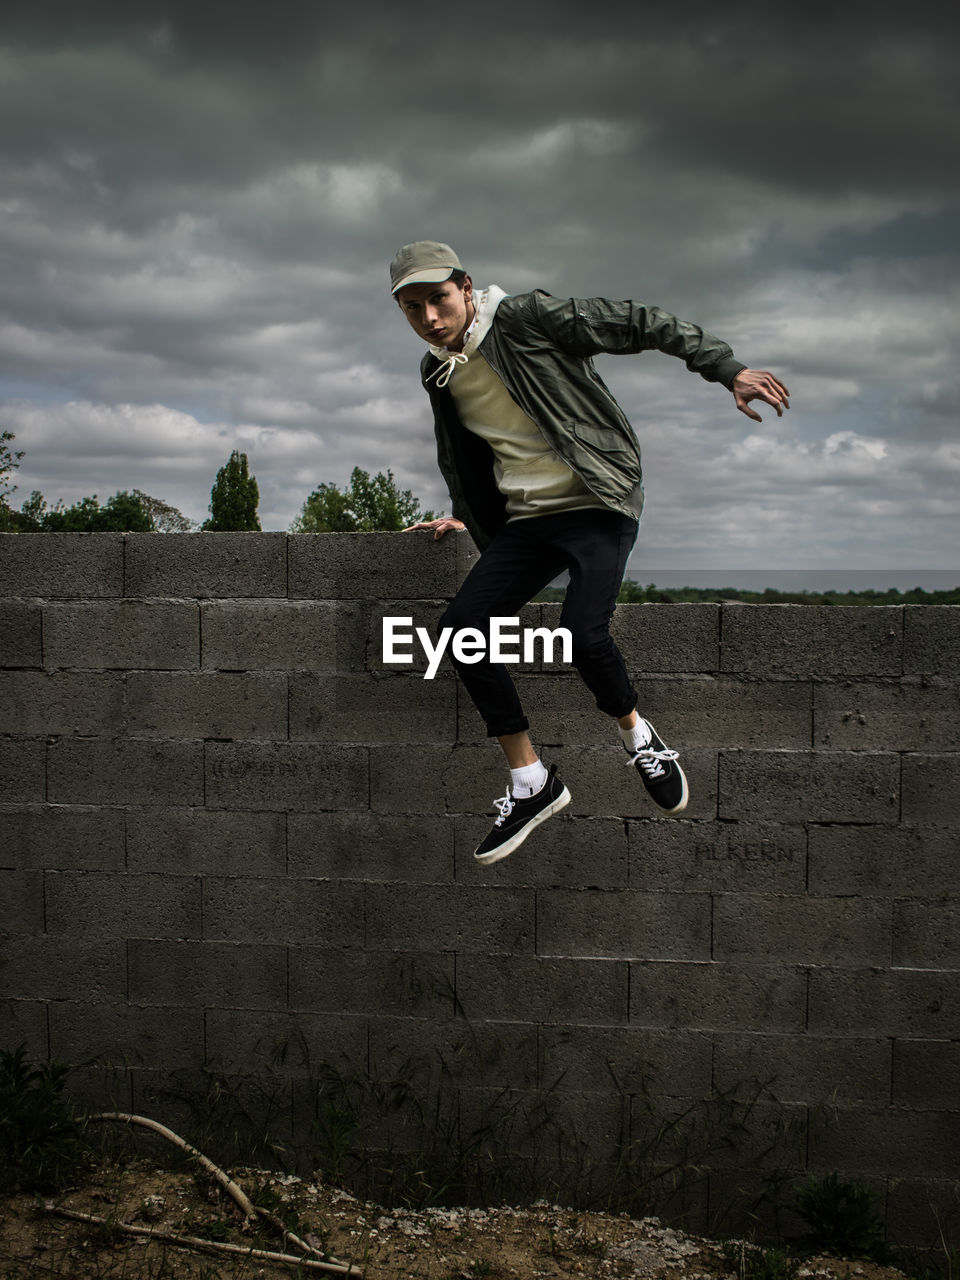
pixel 593 544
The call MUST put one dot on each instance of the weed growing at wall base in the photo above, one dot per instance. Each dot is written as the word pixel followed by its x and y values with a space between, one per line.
pixel 40 1138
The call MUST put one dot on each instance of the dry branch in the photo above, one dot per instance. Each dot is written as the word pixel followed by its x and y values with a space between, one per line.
pixel 206 1246
pixel 237 1194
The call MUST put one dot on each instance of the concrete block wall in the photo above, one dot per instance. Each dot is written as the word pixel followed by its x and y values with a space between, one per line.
pixel 234 841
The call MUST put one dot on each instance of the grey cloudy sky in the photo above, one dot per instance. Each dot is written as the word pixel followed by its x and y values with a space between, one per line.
pixel 199 201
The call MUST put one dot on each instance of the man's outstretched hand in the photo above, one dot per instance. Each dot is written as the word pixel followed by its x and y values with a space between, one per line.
pixel 757 384
pixel 439 527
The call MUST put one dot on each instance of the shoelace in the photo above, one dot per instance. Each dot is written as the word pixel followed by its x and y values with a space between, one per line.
pixel 446 369
pixel 505 805
pixel 650 760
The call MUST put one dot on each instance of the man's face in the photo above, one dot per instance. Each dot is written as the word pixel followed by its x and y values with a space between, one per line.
pixel 438 313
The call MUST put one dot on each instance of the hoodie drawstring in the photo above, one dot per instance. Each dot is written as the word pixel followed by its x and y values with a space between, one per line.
pixel 447 367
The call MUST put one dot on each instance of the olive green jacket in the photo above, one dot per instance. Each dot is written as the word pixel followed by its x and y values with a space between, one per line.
pixel 541 348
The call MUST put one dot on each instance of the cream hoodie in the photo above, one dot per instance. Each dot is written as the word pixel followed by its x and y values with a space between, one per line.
pixel 534 480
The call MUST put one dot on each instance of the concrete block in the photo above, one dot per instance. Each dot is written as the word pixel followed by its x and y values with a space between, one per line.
pixel 206 564
pixel 517 1124
pixel 282 635
pixel 560 709
pixel 285 1044
pixel 814 1069
pixel 467 553
pixel 21 902
pixel 61 565
pixel 926 935
pixel 21 645
pixel 627 924
pixel 877 717
pixel 95 1089
pixel 385 1122
pixel 812 786
pixel 602 783
pixel 931 640
pixel 717 857
pixel 884 862
pixel 110 771
pixel 751 1205
pixel 121 634
pixel 715 996
pixel 498 1054
pixel 324 980
pixel 800 639
pixel 564 853
pixel 449 918
pixel 22 770
pixel 371 566
pixel 187 704
pixel 304 912
pixel 911 1003
pixel 435 780
pixel 370 708
pixel 532 989
pixel 99 1089
pixel 667 637
pixel 890 1141
pixel 420 613
pixel 208 974
pixel 707 711
pixel 926 1074
pixel 921 1213
pixel 105 904
pixel 121 1035
pixel 64 702
pixel 63 838
pixel 24 1022
pixel 801 930
pixel 195 1104
pixel 689 712
pixel 748 1132
pixel 286 775
pixel 931 788
pixel 62 968
pixel 206 841
pixel 627 1060
pixel 371 846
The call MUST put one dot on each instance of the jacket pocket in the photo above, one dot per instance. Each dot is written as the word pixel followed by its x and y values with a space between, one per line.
pixel 607 450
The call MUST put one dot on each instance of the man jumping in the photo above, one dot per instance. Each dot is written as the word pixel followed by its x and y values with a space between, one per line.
pixel 543 469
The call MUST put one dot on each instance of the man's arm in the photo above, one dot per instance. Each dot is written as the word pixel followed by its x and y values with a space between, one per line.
pixel 591 326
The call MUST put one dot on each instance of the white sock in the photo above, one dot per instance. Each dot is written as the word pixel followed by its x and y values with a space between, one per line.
pixel 636 737
pixel 527 781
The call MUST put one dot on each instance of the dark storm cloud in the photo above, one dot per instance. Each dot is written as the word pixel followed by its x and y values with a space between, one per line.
pixel 201 199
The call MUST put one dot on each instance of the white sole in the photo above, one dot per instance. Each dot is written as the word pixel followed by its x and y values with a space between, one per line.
pixel 485 859
pixel 683 798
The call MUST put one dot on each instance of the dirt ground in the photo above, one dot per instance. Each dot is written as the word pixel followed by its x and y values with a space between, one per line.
pixel 435 1244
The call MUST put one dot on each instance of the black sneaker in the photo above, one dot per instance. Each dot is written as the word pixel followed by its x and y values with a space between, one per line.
pixel 660 772
pixel 518 818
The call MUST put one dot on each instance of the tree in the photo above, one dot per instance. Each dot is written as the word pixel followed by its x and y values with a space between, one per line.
pixel 368 505
pixel 163 517
pixel 123 513
pixel 9 461
pixel 234 498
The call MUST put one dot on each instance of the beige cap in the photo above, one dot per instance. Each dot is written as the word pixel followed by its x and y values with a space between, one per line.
pixel 423 262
